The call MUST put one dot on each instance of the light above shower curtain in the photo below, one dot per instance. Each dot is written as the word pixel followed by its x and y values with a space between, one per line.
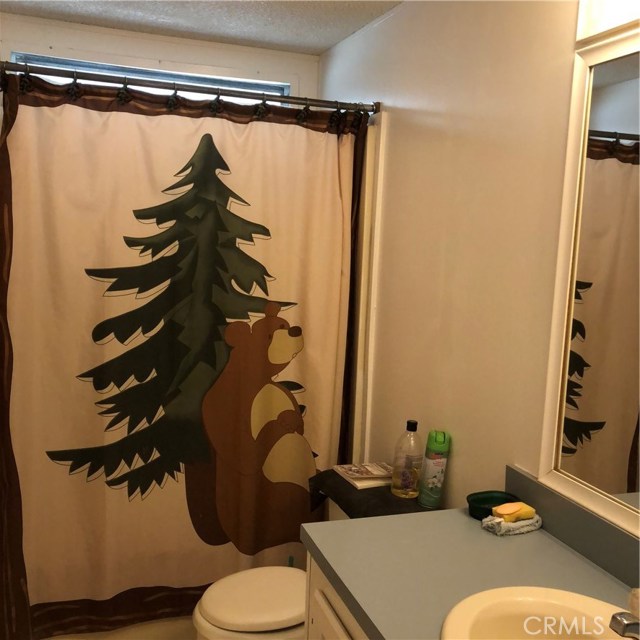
pixel 174 296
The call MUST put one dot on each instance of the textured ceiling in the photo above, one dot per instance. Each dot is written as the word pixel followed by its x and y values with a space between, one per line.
pixel 307 26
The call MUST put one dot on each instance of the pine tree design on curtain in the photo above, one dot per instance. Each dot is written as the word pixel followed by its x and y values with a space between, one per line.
pixel 577 431
pixel 196 280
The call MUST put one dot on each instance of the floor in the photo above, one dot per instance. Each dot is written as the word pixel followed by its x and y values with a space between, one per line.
pixel 170 629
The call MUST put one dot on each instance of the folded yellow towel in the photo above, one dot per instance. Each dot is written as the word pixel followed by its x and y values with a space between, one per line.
pixel 514 511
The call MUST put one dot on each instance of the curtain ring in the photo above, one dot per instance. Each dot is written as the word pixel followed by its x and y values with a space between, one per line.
pixel 123 96
pixel 216 104
pixel 74 90
pixel 172 102
pixel 303 114
pixel 262 109
pixel 25 80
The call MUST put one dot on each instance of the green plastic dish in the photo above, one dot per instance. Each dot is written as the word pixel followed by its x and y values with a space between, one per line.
pixel 481 503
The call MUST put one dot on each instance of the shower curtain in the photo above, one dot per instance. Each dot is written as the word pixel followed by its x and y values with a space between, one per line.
pixel 175 286
pixel 601 420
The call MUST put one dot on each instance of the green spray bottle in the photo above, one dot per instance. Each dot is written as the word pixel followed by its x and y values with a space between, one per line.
pixel 433 468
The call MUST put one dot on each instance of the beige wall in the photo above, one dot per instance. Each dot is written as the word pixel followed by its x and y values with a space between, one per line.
pixel 478 100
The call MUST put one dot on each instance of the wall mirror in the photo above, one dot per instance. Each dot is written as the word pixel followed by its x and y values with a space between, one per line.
pixel 590 448
pixel 600 421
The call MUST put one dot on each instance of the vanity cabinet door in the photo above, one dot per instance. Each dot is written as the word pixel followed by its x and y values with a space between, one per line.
pixel 328 617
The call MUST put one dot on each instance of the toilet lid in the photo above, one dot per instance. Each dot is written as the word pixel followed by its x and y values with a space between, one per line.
pixel 262 599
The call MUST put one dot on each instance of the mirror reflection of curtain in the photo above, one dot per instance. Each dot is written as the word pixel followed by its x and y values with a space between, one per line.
pixel 607 310
pixel 120 278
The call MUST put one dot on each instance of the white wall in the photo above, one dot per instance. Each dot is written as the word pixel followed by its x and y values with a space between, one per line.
pixel 478 100
pixel 81 42
pixel 597 16
pixel 615 107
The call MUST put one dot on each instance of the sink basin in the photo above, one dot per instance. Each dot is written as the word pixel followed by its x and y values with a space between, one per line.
pixel 514 613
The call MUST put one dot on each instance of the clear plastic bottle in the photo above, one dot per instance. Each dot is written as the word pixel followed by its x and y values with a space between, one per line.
pixel 407 463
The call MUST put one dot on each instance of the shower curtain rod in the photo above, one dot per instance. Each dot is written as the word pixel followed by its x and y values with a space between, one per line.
pixel 614 134
pixel 181 86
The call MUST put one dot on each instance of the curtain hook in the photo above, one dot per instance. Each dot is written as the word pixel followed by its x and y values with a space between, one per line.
pixel 74 90
pixel 261 109
pixel 172 102
pixel 216 104
pixel 303 114
pixel 25 80
pixel 123 96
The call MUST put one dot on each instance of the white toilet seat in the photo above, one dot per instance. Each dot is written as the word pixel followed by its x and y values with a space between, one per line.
pixel 207 631
pixel 266 602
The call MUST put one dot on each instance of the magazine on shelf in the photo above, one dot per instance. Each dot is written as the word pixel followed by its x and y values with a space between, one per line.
pixel 365 475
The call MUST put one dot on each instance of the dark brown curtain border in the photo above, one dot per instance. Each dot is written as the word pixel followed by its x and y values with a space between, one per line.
pixel 15 620
pixel 19 620
pixel 36 92
pixel 129 607
pixel 598 149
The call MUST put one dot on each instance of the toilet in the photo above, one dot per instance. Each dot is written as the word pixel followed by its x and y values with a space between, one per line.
pixel 266 602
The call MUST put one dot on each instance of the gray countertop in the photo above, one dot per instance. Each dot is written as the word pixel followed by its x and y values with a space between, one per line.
pixel 400 575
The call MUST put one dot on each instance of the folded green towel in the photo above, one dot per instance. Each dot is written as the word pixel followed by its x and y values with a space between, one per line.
pixel 501 528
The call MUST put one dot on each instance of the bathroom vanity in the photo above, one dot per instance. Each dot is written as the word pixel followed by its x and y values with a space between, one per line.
pixel 397 577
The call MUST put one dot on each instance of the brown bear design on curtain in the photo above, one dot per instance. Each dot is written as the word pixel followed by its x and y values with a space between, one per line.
pixel 256 430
